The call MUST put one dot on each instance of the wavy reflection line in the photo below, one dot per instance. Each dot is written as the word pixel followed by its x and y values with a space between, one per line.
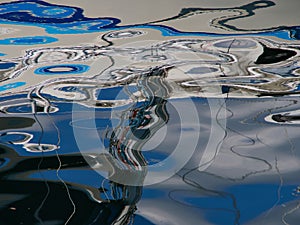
pixel 59 168
pixel 58 158
pixel 37 91
pixel 252 143
pixel 187 205
pixel 208 163
pixel 269 110
pixel 36 214
pixel 279 188
pixel 78 23
pixel 269 166
pixel 258 81
pixel 67 188
pixel 243 11
pixel 217 192
pixel 236 211
pixel 223 105
pixel 286 214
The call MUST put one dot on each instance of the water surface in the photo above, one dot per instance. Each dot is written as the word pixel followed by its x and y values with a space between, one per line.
pixel 149 113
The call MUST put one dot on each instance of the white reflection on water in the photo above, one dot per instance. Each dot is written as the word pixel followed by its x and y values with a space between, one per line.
pixel 126 87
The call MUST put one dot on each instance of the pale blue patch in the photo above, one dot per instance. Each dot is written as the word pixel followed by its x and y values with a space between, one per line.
pixel 54 12
pixel 28 40
pixel 11 86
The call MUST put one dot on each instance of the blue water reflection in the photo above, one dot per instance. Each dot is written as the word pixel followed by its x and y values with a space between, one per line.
pixel 107 122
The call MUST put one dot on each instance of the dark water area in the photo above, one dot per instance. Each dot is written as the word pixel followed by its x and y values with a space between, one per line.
pixel 138 113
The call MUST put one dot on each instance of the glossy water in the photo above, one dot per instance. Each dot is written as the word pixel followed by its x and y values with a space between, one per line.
pixel 141 112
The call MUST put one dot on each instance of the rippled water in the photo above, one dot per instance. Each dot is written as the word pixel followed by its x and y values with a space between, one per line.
pixel 141 112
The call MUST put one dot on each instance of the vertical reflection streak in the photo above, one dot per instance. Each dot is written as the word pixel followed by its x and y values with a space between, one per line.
pixel 222 140
pixel 57 171
pixel 36 214
pixel 292 150
pixel 221 193
pixel 67 189
pixel 58 158
pixel 38 93
pixel 279 188
pixel 283 218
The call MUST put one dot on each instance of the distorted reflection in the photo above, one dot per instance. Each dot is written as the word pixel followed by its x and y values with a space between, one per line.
pixel 92 105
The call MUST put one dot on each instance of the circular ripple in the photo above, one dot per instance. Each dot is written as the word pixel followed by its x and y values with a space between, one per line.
pixel 236 43
pixel 62 69
pixel 125 34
